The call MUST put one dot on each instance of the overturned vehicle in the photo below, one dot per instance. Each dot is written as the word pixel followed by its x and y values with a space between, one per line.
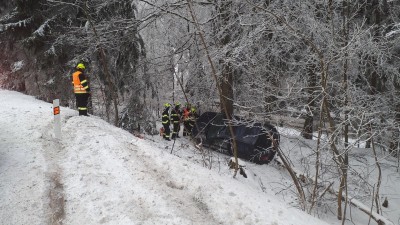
pixel 256 142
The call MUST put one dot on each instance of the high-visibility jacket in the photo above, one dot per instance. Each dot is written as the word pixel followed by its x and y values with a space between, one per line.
pixel 165 117
pixel 80 83
pixel 175 116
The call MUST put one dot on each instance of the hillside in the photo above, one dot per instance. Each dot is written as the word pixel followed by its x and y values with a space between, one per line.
pixel 100 174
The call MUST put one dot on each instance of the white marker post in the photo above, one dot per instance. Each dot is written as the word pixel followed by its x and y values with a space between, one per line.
pixel 57 119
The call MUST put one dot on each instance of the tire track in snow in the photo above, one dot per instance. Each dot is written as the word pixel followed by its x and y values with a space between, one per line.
pixel 22 163
pixel 53 153
pixel 187 205
pixel 107 176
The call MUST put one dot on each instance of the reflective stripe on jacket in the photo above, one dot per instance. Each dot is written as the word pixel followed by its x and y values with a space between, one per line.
pixel 175 116
pixel 80 87
pixel 165 117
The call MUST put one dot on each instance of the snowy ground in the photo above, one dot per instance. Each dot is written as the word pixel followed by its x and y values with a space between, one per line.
pixel 99 174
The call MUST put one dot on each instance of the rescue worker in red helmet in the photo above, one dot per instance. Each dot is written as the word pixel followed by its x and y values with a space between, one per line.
pixel 81 89
pixel 186 120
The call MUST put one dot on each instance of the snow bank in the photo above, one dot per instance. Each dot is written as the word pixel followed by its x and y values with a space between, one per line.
pixel 108 176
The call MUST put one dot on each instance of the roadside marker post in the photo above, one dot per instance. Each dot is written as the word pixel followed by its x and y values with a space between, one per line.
pixel 57 119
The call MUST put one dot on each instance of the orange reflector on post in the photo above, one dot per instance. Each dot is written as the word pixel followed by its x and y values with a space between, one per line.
pixel 57 119
pixel 56 110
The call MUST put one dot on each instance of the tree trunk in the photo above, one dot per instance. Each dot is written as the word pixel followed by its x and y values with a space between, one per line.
pixel 307 131
pixel 227 89
pixel 214 73
pixel 346 30
pixel 103 58
pixel 226 82
pixel 374 14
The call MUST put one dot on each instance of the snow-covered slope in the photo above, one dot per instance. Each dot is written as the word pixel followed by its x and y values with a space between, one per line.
pixel 99 174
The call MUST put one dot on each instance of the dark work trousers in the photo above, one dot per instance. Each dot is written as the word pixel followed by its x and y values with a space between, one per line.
pixel 191 125
pixel 82 103
pixel 186 128
pixel 167 131
pixel 175 132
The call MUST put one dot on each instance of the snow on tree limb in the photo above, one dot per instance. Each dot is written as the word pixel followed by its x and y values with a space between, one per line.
pixel 21 23
pixel 375 216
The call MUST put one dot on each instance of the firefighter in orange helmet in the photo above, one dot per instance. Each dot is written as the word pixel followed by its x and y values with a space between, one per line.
pixel 81 89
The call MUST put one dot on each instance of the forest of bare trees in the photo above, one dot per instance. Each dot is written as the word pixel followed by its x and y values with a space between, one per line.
pixel 332 66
